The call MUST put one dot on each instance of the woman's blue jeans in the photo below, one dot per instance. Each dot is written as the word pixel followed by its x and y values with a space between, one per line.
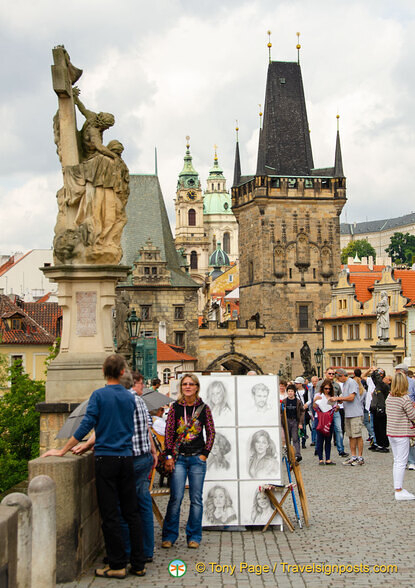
pixel 193 468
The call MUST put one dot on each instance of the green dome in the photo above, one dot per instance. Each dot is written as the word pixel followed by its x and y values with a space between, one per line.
pixel 217 203
pixel 219 257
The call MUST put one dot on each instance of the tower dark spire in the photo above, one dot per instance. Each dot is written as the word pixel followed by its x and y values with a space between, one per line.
pixel 237 166
pixel 284 144
pixel 338 162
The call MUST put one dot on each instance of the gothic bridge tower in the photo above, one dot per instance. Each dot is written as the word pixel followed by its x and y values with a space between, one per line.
pixel 288 217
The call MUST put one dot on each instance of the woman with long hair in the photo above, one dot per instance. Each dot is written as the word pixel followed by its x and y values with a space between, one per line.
pixel 184 440
pixel 263 455
pixel 219 506
pixel 261 508
pixel 217 398
pixel 323 402
pixel 399 427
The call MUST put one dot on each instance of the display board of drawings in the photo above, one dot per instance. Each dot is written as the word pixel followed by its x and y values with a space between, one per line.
pixel 247 449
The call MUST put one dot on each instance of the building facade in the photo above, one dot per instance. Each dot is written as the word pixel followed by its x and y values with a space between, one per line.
pixel 378 233
pixel 349 322
pixel 289 230
pixel 164 296
pixel 204 220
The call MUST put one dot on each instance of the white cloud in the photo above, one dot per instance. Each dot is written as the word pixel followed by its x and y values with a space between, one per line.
pixel 176 67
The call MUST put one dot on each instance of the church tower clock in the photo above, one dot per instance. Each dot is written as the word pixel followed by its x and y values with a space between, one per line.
pixel 190 232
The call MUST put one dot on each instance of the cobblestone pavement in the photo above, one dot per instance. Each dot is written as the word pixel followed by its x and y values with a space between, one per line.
pixel 355 521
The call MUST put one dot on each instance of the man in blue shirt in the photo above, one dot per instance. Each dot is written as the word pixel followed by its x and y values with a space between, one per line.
pixel 111 413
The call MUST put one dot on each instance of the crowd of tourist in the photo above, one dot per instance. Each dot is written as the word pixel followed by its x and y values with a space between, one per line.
pixel 124 438
pixel 340 404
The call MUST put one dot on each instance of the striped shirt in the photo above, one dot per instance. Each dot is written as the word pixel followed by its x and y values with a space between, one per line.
pixel 400 413
pixel 142 420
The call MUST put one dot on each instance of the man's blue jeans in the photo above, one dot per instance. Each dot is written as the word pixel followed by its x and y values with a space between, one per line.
pixel 338 433
pixel 142 468
pixel 314 429
pixel 193 468
pixel 368 423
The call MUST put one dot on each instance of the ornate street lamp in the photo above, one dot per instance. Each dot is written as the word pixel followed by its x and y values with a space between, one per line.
pixel 318 356
pixel 133 326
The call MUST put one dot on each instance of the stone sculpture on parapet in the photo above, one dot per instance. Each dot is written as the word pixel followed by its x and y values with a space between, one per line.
pixel 382 314
pixel 91 204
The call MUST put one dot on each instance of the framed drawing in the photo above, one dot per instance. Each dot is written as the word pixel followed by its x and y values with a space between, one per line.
pixel 258 401
pixel 222 460
pixel 259 454
pixel 255 506
pixel 219 394
pixel 220 504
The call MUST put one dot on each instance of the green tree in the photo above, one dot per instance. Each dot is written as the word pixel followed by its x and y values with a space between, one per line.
pixel 19 426
pixel 402 248
pixel 362 247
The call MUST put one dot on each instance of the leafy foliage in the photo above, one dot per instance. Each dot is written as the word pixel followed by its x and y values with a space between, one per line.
pixel 19 426
pixel 402 248
pixel 362 247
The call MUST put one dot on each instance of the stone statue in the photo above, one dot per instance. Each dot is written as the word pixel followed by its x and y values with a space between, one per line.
pixel 382 314
pixel 122 305
pixel 305 354
pixel 91 204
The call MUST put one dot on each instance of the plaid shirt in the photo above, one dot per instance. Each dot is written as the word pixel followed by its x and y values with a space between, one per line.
pixel 142 420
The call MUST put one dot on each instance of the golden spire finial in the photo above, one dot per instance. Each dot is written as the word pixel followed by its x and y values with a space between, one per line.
pixel 298 46
pixel 237 130
pixel 187 141
pixel 260 116
pixel 216 155
pixel 338 119
pixel 269 45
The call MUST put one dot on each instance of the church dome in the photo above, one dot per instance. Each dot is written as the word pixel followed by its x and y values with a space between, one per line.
pixel 219 258
pixel 217 203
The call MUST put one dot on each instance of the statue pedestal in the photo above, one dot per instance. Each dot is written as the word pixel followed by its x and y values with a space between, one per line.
pixel 86 294
pixel 384 357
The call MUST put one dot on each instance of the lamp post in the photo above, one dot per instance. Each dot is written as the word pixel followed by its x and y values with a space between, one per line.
pixel 318 356
pixel 133 326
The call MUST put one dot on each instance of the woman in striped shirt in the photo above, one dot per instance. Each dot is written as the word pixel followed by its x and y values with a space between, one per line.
pixel 400 412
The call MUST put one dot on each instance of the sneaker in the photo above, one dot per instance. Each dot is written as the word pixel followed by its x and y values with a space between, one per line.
pixel 411 466
pixel 382 450
pixel 195 544
pixel 166 544
pixel 358 461
pixel 298 458
pixel 312 444
pixel 350 460
pixel 343 454
pixel 373 447
pixel 404 495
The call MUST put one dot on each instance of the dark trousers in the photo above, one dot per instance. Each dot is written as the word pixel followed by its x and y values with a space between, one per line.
pixel 115 482
pixel 379 426
pixel 292 425
pixel 325 441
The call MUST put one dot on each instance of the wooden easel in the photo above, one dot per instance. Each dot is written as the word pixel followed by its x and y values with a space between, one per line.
pixel 154 493
pixel 270 490
pixel 297 471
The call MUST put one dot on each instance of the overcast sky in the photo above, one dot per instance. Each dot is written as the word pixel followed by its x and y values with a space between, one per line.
pixel 171 68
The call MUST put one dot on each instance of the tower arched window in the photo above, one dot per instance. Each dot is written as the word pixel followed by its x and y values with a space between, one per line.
pixel 226 243
pixel 193 260
pixel 192 217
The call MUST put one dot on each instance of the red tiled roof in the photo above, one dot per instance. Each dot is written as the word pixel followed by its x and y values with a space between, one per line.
pixel 30 333
pixel 407 278
pixel 11 262
pixel 167 352
pixel 363 284
pixel 46 314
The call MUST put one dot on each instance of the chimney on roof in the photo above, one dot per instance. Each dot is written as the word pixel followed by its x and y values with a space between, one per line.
pixel 370 262
pixel 162 331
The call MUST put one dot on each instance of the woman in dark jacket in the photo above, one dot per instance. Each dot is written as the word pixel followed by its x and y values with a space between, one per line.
pixel 378 410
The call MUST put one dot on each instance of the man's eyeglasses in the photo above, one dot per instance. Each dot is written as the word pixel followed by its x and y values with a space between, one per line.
pixel 330 373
